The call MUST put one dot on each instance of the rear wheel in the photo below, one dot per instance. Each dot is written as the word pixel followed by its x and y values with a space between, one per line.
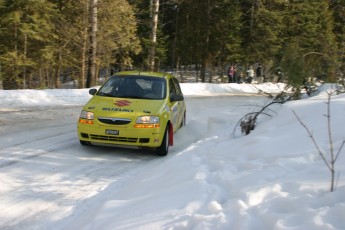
pixel 163 149
pixel 183 122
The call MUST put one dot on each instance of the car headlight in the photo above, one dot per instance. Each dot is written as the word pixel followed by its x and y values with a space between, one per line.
pixel 147 122
pixel 86 117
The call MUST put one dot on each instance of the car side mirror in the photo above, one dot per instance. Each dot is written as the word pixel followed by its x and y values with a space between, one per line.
pixel 176 97
pixel 92 91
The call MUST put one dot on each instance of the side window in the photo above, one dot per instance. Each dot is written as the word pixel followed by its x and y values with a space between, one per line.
pixel 110 86
pixel 172 88
pixel 177 86
pixel 158 89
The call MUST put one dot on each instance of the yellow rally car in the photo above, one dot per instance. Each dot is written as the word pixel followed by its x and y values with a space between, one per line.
pixel 141 109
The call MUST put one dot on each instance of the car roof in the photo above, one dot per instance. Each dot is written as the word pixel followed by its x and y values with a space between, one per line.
pixel 143 73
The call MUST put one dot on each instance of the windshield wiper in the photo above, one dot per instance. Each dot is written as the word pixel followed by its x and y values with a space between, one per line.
pixel 105 94
pixel 135 97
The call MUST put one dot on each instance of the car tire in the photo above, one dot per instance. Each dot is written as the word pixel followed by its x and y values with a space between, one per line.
pixel 183 122
pixel 85 142
pixel 163 149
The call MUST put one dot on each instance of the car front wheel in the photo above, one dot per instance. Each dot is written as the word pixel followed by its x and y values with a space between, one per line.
pixel 163 149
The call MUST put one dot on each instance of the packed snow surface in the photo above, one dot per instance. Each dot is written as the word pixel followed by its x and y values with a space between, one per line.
pixel 212 178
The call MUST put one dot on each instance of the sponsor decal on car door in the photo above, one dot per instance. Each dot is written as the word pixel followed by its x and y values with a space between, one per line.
pixel 174 111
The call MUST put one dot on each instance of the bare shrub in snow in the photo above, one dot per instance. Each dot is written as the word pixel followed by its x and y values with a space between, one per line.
pixel 248 122
pixel 332 156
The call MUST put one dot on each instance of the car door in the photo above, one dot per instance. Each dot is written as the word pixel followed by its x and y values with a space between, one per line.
pixel 176 107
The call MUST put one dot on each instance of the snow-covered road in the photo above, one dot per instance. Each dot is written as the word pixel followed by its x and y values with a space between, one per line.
pixel 270 179
pixel 49 180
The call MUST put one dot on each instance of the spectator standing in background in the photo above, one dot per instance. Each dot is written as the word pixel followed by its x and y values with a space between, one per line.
pixel 231 72
pixel 234 78
pixel 259 73
pixel 250 74
pixel 279 74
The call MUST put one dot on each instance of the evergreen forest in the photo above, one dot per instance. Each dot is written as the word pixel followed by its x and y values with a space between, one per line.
pixel 44 43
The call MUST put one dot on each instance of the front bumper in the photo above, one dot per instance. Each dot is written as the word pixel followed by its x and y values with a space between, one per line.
pixel 127 135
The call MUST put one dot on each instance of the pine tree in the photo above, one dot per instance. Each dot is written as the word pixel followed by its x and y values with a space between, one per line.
pixel 27 29
pixel 225 38
pixel 338 9
pixel 41 41
pixel 263 32
pixel 118 41
pixel 116 37
pixel 311 33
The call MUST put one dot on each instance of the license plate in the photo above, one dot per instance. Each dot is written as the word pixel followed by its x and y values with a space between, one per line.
pixel 111 132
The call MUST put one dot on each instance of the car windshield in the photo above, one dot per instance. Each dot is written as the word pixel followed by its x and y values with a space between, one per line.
pixel 139 87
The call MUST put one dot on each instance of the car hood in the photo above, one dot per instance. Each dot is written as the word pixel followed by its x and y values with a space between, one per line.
pixel 124 107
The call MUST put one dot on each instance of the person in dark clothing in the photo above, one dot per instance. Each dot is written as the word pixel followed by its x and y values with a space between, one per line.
pixel 279 74
pixel 234 77
pixel 231 72
pixel 307 87
pixel 259 71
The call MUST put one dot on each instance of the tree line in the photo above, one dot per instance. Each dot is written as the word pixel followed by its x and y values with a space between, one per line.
pixel 47 42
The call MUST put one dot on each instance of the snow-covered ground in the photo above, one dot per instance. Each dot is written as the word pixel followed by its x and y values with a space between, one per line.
pixel 211 179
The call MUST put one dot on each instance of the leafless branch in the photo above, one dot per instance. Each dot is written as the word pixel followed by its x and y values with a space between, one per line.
pixel 248 121
pixel 339 150
pixel 313 139
pixel 333 158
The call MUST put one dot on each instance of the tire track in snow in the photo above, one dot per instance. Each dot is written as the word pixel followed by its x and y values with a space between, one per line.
pixel 29 148
pixel 88 185
pixel 47 175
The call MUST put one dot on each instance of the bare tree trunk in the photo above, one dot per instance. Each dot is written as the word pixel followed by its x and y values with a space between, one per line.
pixel 330 139
pixel 153 36
pixel 24 67
pixel 42 82
pixel 252 17
pixel 16 75
pixel 83 60
pixel 1 85
pixel 205 61
pixel 91 76
pixel 175 39
pixel 57 72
